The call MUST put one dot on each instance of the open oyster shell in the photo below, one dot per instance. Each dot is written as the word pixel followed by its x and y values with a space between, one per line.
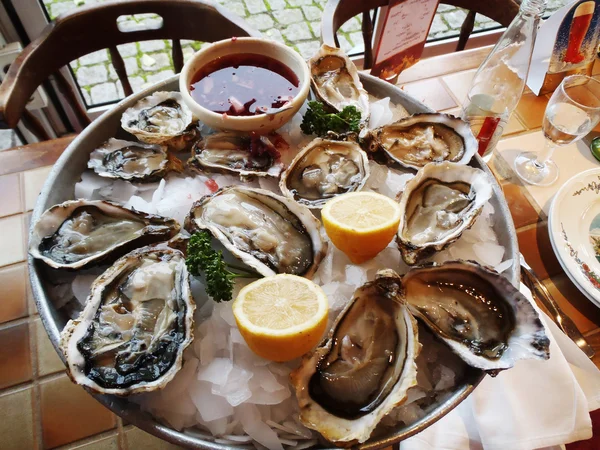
pixel 437 205
pixel 420 139
pixel 363 368
pixel 480 315
pixel 324 169
pixel 161 118
pixel 79 233
pixel 335 81
pixel 269 233
pixel 229 152
pixel 132 161
pixel 137 322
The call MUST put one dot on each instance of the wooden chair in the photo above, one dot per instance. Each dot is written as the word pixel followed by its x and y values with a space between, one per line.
pixel 338 12
pixel 92 28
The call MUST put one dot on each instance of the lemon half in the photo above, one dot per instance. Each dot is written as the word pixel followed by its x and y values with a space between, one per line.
pixel 281 317
pixel 361 224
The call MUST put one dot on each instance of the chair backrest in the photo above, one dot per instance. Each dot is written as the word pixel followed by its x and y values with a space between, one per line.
pixel 338 12
pixel 92 28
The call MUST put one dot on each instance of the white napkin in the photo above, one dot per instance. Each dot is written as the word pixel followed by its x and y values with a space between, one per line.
pixel 535 404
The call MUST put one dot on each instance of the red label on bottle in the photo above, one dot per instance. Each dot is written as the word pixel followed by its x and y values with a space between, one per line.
pixel 486 133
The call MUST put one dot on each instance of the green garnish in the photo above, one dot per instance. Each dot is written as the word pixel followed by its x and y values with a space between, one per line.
pixel 201 258
pixel 318 121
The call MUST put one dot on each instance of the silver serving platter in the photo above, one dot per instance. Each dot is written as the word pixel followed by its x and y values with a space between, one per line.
pixel 59 187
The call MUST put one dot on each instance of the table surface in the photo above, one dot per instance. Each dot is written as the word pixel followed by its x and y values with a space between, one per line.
pixel 43 409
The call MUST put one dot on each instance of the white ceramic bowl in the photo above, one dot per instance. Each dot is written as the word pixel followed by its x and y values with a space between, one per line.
pixel 261 123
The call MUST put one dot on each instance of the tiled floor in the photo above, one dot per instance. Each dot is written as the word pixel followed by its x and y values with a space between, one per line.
pixel 42 409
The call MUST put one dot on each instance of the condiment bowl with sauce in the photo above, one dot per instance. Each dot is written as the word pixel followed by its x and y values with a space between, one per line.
pixel 245 84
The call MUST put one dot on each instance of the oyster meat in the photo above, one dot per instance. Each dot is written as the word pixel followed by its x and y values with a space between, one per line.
pixel 80 233
pixel 324 169
pixel 437 205
pixel 270 233
pixel 335 81
pixel 420 139
pixel 132 161
pixel 229 152
pixel 161 118
pixel 478 313
pixel 137 321
pixel 363 368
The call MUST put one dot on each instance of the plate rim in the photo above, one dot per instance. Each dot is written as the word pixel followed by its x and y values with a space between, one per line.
pixel 553 222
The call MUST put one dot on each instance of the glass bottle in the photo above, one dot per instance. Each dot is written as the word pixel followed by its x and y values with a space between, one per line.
pixel 500 80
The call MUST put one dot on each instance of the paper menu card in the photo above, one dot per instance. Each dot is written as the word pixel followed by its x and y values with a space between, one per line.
pixel 566 44
pixel 402 38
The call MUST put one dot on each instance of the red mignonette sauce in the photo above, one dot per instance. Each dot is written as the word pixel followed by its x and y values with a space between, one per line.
pixel 244 85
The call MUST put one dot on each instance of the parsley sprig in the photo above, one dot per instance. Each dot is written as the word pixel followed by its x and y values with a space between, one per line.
pixel 318 121
pixel 202 258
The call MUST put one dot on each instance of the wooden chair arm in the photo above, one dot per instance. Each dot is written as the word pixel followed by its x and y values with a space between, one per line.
pixel 92 28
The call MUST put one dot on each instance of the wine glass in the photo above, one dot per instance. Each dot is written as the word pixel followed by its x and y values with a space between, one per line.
pixel 572 112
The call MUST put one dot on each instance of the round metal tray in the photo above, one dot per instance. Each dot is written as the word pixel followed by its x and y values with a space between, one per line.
pixel 59 187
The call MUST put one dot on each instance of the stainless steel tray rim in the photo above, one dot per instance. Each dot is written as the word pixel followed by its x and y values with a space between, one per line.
pixel 131 411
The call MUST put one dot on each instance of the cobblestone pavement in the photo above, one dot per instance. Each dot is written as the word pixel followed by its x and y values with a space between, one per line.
pixel 293 22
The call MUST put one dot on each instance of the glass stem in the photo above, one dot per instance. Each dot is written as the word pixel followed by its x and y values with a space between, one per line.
pixel 545 154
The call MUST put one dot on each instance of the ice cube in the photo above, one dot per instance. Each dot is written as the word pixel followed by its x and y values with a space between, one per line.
pixel 81 287
pixel 488 253
pixel 252 423
pixel 210 406
pixel 216 372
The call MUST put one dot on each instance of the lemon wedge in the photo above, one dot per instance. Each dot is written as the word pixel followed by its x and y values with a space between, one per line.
pixel 361 224
pixel 281 317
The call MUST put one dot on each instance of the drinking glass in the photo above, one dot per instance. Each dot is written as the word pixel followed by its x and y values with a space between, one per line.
pixel 572 112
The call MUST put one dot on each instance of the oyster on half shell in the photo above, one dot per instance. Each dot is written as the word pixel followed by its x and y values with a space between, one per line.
pixel 269 233
pixel 478 313
pixel 437 205
pixel 363 368
pixel 324 169
pixel 79 233
pixel 132 161
pixel 335 81
pixel 229 152
pixel 420 139
pixel 161 118
pixel 137 321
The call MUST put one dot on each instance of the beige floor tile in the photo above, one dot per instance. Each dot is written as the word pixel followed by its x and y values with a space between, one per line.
pixel 10 195
pixel 16 426
pixel 109 443
pixel 15 355
pixel 33 180
pixel 13 286
pixel 63 402
pixel 138 439
pixel 48 360
pixel 513 126
pixel 11 240
pixel 459 84
pixel 432 93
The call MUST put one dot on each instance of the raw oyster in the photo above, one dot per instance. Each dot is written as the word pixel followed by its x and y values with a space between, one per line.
pixel 228 152
pixel 324 169
pixel 478 313
pixel 268 232
pixel 161 118
pixel 437 205
pixel 137 321
pixel 79 233
pixel 335 81
pixel 363 368
pixel 132 161
pixel 423 138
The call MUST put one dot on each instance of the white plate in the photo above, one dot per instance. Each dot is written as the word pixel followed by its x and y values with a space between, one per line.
pixel 574 224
